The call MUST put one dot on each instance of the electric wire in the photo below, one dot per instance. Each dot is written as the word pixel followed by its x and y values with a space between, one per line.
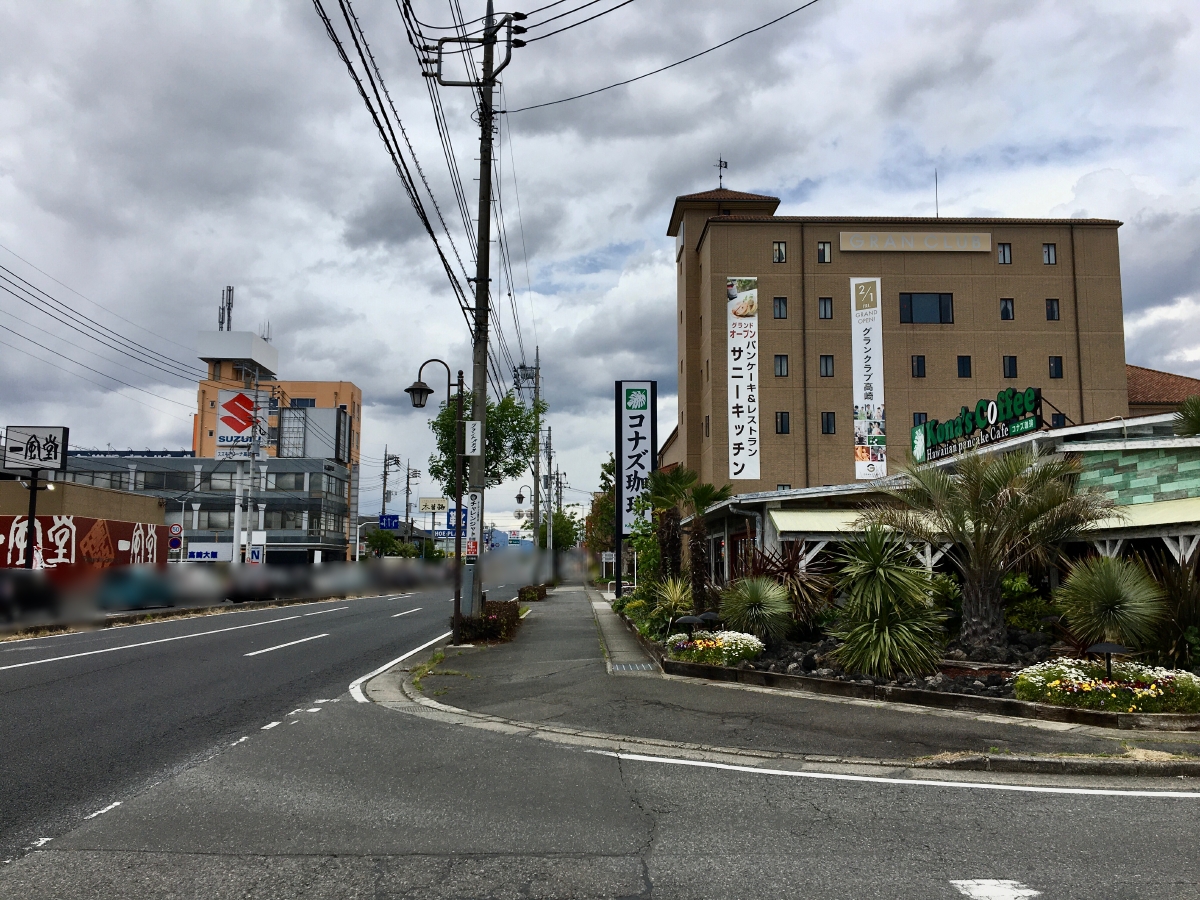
pixel 680 62
pixel 542 37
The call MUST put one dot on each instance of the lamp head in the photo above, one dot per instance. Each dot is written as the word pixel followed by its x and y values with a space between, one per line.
pixel 419 392
pixel 520 499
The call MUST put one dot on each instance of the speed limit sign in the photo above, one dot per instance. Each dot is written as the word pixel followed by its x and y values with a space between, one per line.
pixel 176 530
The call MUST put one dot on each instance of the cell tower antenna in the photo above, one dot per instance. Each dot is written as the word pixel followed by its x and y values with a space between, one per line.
pixel 721 166
pixel 229 308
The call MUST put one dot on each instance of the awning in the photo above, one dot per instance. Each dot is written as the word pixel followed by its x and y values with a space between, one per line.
pixel 1160 514
pixel 813 521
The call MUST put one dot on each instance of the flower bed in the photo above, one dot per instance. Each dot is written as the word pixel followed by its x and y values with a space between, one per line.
pixel 717 648
pixel 1133 687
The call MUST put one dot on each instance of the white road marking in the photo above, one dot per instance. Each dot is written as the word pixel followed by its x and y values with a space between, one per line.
pixel 238 741
pixel 288 644
pixel 356 684
pixel 180 637
pixel 407 611
pixel 994 889
pixel 325 701
pixel 42 841
pixel 915 782
pixel 321 612
pixel 271 725
pixel 314 709
pixel 101 812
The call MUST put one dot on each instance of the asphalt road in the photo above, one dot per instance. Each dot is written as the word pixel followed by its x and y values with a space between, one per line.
pixel 90 719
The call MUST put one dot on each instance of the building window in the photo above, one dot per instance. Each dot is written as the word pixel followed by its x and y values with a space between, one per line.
pixel 919 419
pixel 926 309
pixel 1058 420
pixel 824 251
pixel 1010 367
pixel 781 307
pixel 212 404
pixel 779 251
pixel 1049 255
pixel 1007 313
pixel 302 402
pixel 781 367
pixel 918 366
pixel 783 423
pixel 783 487
pixel 826 366
pixel 210 434
pixel 964 367
pixel 1051 310
pixel 1056 367
pixel 828 423
pixel 825 308
pixel 1004 254
pixel 706 426
pixel 706 370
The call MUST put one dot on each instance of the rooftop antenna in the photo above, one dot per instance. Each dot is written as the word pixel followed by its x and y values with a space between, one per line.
pixel 937 211
pixel 721 166
pixel 221 313
pixel 229 308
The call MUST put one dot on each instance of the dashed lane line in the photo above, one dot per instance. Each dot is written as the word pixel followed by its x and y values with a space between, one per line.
pixel 270 725
pixel 288 644
pixel 406 612
pixel 178 637
pixel 321 612
pixel 101 812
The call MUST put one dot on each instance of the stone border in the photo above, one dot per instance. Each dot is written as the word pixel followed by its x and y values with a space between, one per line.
pixel 409 699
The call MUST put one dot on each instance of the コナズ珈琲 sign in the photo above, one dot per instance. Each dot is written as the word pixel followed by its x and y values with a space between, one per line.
pixel 1012 413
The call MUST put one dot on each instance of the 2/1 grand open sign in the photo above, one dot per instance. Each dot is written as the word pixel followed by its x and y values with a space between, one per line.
pixel 1010 414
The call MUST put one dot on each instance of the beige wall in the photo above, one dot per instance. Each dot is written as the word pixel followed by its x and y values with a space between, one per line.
pixel 1088 335
pixel 82 500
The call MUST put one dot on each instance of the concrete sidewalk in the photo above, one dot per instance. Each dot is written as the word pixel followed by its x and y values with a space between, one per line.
pixel 560 672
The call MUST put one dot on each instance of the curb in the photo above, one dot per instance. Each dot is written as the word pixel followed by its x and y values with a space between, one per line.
pixel 968 762
pixel 1018 709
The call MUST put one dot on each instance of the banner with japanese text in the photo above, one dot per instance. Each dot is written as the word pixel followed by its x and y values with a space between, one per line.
pixel 870 426
pixel 636 446
pixel 76 542
pixel 741 303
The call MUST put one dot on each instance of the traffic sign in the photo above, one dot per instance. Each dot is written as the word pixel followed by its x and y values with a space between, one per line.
pixel 176 530
pixel 175 543
pixel 389 522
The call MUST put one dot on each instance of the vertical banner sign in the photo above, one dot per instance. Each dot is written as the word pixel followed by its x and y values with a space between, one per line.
pixel 741 304
pixel 637 446
pixel 870 428
pixel 474 502
pixel 472 438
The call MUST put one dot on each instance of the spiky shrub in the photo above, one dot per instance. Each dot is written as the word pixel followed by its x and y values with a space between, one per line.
pixel 889 624
pixel 674 597
pixel 1179 631
pixel 1107 598
pixel 1187 417
pixel 808 589
pixel 759 606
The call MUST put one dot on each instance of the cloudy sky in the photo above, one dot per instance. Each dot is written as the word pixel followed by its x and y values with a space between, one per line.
pixel 151 153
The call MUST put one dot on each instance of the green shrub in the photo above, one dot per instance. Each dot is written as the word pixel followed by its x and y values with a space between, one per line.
pixel 1111 599
pixel 759 606
pixel 719 648
pixel 674 596
pixel 1133 687
pixel 888 623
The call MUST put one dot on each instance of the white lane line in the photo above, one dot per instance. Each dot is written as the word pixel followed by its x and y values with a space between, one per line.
pixel 407 611
pixel 288 644
pixel 314 709
pixel 238 741
pixel 271 725
pixel 42 841
pixel 180 637
pixel 356 684
pixel 322 612
pixel 101 812
pixel 915 782
pixel 994 889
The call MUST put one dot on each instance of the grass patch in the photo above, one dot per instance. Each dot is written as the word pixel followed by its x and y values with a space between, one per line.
pixel 426 668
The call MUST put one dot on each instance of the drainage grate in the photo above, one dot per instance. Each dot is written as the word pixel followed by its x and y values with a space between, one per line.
pixel 633 667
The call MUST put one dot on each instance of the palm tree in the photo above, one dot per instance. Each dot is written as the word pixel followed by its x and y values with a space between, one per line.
pixel 699 498
pixel 1187 417
pixel 1003 513
pixel 667 489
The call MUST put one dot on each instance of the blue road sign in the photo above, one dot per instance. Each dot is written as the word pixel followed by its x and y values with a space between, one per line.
pixel 389 522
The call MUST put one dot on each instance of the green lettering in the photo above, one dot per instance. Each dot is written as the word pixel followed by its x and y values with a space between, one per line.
pixel 1018 408
pixel 1031 400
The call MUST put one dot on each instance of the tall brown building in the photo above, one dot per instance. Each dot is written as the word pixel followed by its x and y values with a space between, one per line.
pixel 966 308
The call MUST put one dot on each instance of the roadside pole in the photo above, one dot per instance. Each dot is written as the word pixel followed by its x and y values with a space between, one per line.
pixel 31 524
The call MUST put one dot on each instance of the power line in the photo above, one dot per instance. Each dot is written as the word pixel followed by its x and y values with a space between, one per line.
pixel 664 68
pixel 542 37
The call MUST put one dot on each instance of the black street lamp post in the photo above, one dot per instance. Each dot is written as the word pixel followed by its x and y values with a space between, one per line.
pixel 419 392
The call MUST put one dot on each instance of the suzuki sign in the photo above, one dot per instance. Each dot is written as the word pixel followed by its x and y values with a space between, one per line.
pixel 238 414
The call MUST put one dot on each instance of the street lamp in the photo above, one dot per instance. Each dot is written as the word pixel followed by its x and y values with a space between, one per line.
pixel 419 393
pixel 520 496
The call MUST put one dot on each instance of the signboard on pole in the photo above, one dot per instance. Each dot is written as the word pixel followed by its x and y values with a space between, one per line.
pixel 35 447
pixel 637 446
pixel 389 522
pixel 474 501
pixel 608 556
pixel 472 438
pixel 433 504
pixel 239 414
pixel 209 552
pixel 741 305
pixel 866 345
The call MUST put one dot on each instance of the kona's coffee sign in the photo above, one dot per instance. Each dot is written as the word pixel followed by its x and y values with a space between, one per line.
pixel 1010 414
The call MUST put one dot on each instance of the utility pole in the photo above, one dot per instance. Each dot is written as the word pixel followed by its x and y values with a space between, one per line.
pixel 409 474
pixel 383 505
pixel 524 374
pixel 477 478
pixel 549 500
